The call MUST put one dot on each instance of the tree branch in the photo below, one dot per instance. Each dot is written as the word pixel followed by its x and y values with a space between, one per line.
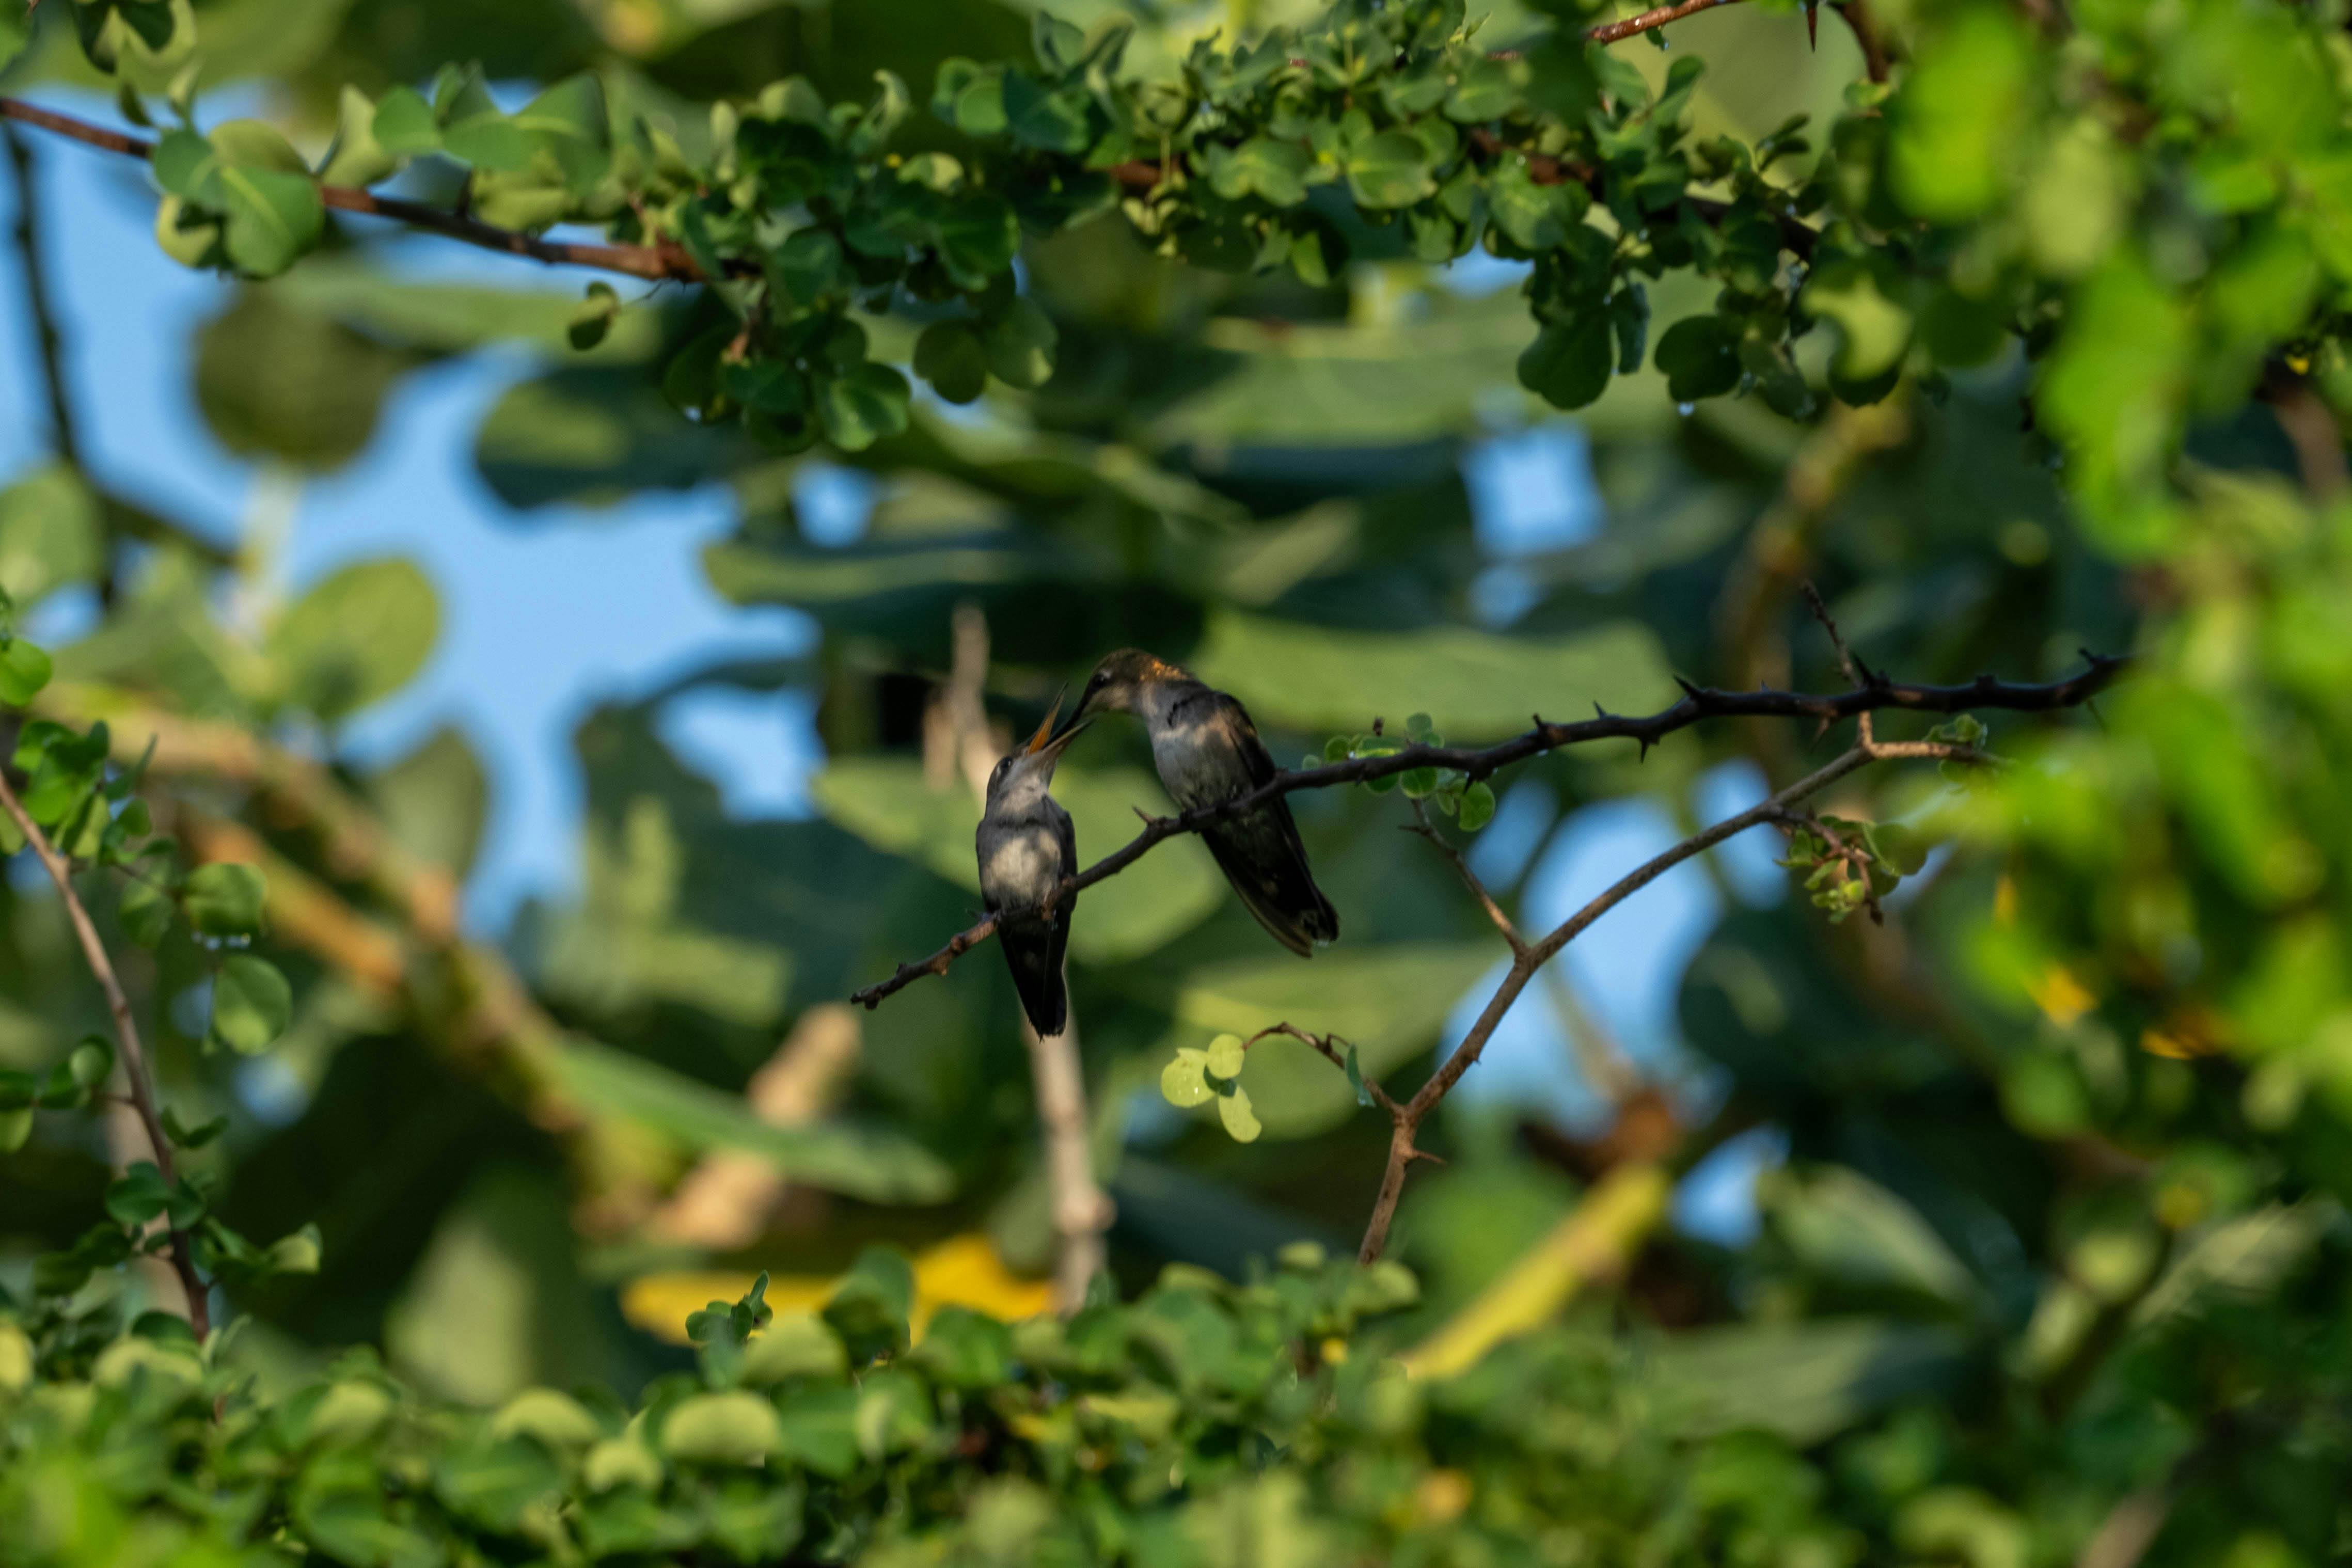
pixel 126 1033
pixel 45 338
pixel 1649 21
pixel 1494 911
pixel 656 262
pixel 1699 704
pixel 1876 60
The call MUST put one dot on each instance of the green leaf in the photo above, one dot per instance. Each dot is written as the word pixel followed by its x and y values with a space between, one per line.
pixel 569 123
pixel 1700 357
pixel 295 1254
pixel 146 911
pixel 16 1129
pixel 1240 1123
pixel 1840 1224
pixel 1356 1079
pixel 24 671
pixel 356 158
pixel 224 899
pixel 90 1064
pixel 795 1345
pixel 1874 331
pixel 1478 807
pixel 404 126
pixel 863 404
pixel 950 356
pixel 1226 1054
pixel 594 317
pixel 1321 678
pixel 1276 170
pixel 837 1155
pixel 737 1427
pixel 1389 170
pixel 1535 218
pixel 358 636
pixel 496 1483
pixel 139 1195
pixel 189 1137
pixel 819 1430
pixel 1051 120
pixel 475 131
pixel 1962 115
pixel 1570 361
pixel 1183 1082
pixel 1021 340
pixel 260 184
pixel 252 1004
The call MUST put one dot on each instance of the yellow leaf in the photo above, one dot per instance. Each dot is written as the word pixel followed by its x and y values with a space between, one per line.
pixel 961 1272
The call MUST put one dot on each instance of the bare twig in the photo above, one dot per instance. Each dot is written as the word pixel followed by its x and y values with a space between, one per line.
pixel 1850 666
pixel 126 1033
pixel 1327 1046
pixel 1502 922
pixel 1699 704
pixel 666 259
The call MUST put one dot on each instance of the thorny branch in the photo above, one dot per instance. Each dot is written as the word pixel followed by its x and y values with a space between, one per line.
pixel 126 1033
pixel 1698 704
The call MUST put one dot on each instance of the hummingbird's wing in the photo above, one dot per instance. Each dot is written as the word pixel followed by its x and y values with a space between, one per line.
pixel 1261 854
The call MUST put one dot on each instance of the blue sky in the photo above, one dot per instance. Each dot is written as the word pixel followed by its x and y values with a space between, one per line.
pixel 544 617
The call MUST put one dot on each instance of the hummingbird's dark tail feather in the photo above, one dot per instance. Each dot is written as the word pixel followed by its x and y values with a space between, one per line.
pixel 1262 857
pixel 1032 951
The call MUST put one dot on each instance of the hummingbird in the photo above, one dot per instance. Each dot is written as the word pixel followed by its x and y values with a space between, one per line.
pixel 1026 846
pixel 1207 750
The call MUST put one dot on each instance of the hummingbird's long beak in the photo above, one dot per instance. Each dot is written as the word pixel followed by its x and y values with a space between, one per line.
pixel 1045 735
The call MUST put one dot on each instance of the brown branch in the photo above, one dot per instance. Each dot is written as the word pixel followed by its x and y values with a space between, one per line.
pixel 1648 21
pixel 126 1032
pixel 666 260
pixel 1329 1045
pixel 1532 958
pixel 1699 704
pixel 1876 60
pixel 1494 911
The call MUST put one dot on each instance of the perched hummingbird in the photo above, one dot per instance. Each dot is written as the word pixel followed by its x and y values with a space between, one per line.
pixel 1026 847
pixel 1207 750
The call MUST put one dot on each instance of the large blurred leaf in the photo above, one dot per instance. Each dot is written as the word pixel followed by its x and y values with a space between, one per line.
pixel 878 1167
pixel 593 434
pixel 1389 1000
pixel 450 318
pixel 277 380
pixel 50 533
pixel 887 802
pixel 1332 385
pixel 1475 685
pixel 434 800
pixel 1852 1229
pixel 356 637
pixel 1806 1381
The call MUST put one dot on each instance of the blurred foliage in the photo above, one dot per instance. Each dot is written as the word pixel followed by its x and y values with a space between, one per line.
pixel 2057 1253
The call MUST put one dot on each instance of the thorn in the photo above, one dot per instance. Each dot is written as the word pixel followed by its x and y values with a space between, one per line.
pixel 2096 717
pixel 1689 690
pixel 1646 744
pixel 1377 723
pixel 1812 25
pixel 1600 712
